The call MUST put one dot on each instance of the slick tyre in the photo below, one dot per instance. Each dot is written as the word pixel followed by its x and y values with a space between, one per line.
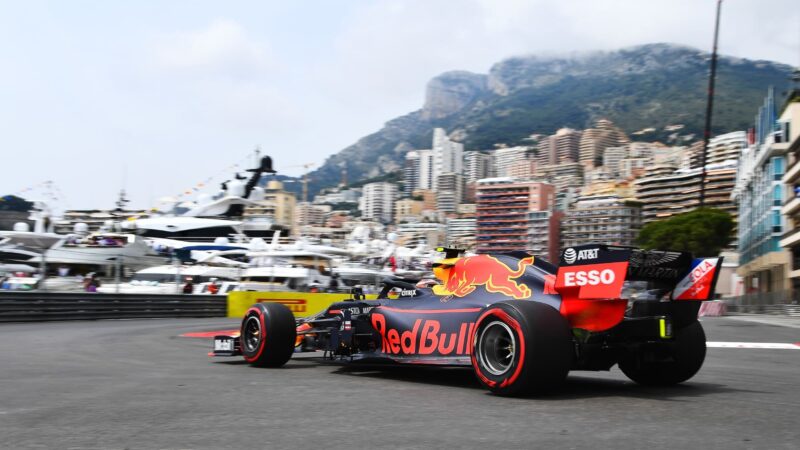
pixel 521 347
pixel 268 335
pixel 675 365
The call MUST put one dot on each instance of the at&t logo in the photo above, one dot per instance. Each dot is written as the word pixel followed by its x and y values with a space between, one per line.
pixel 570 255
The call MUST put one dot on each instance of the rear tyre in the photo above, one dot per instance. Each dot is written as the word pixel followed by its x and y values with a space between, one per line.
pixel 687 354
pixel 521 347
pixel 268 335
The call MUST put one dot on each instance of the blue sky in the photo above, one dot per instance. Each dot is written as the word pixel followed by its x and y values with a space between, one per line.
pixel 157 96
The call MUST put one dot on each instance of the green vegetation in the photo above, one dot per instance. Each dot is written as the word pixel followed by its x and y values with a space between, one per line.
pixel 704 232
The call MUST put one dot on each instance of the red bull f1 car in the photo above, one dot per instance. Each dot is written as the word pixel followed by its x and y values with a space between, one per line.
pixel 518 321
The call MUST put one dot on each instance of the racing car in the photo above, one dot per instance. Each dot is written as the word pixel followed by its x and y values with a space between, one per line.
pixel 518 321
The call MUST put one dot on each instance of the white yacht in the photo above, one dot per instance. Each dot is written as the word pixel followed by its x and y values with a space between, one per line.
pixel 101 250
pixel 278 270
pixel 170 279
pixel 177 232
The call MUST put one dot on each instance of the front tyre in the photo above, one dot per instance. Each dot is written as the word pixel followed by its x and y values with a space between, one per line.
pixel 521 347
pixel 688 351
pixel 268 335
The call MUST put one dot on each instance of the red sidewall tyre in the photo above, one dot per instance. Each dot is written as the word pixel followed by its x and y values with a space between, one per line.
pixel 268 335
pixel 521 347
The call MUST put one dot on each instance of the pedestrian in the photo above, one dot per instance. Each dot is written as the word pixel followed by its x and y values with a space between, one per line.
pixel 213 287
pixel 333 284
pixel 91 283
pixel 188 288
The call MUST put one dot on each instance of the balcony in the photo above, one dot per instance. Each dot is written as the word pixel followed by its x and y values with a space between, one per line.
pixel 790 238
pixel 791 207
pixel 792 174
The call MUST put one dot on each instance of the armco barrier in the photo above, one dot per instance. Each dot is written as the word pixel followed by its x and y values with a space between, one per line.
pixel 51 306
pixel 302 304
pixel 778 302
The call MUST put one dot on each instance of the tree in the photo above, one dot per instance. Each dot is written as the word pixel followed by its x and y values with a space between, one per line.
pixel 703 232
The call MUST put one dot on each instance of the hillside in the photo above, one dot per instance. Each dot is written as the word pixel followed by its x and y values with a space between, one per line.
pixel 652 85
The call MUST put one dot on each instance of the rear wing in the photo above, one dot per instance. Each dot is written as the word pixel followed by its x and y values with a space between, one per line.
pixel 599 271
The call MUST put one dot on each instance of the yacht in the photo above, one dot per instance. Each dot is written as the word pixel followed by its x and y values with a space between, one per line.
pixel 281 270
pixel 101 251
pixel 170 279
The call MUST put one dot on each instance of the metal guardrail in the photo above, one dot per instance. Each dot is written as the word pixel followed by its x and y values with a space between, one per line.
pixel 51 306
pixel 779 302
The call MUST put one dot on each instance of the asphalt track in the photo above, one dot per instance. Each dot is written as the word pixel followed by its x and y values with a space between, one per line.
pixel 137 384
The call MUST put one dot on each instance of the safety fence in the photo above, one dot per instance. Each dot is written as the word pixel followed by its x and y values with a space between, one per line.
pixel 50 306
pixel 780 302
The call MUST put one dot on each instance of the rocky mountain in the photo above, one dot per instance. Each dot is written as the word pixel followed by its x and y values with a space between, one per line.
pixel 646 86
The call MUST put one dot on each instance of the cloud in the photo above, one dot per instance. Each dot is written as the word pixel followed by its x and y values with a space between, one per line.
pixel 222 48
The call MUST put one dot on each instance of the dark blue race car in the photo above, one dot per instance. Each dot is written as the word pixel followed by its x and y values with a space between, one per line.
pixel 520 322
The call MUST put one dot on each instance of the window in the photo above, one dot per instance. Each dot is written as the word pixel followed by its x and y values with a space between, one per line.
pixel 777 167
pixel 776 221
pixel 776 195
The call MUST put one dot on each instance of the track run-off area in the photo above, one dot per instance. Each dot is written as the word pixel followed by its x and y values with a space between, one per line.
pixel 141 384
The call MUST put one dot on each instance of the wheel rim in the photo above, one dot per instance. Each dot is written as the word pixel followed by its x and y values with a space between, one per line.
pixel 251 333
pixel 497 347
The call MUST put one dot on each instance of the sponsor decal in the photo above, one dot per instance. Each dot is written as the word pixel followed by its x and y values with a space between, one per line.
pixel 490 272
pixel 572 256
pixel 424 337
pixel 697 284
pixel 658 265
pixel 592 280
pixel 295 305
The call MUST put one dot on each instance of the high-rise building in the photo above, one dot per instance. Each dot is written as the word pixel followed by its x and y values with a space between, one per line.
pixel 546 151
pixel 790 240
pixel 308 214
pixel 644 149
pixel 477 165
pixel 672 156
pixel 448 156
pixel 594 142
pixel 377 201
pixel 502 207
pixel 563 175
pixel 602 219
pixel 428 198
pixel 422 167
pixel 411 173
pixel 567 145
pixel 422 233
pixel 611 158
pixel 450 192
pixel 726 147
pixel 277 205
pixel 692 158
pixel 666 194
pixel 418 171
pixel 759 193
pixel 544 238
pixel 407 210
pixel 633 167
pixel 505 160
pixel 461 232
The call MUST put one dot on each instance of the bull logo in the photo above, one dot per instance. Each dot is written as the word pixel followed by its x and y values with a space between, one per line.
pixel 488 271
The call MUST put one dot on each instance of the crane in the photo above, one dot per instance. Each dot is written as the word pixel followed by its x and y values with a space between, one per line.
pixel 305 166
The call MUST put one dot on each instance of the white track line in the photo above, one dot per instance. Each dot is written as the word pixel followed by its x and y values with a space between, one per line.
pixel 753 345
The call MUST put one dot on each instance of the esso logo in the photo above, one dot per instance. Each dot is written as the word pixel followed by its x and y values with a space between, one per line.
pixel 570 255
pixel 589 278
